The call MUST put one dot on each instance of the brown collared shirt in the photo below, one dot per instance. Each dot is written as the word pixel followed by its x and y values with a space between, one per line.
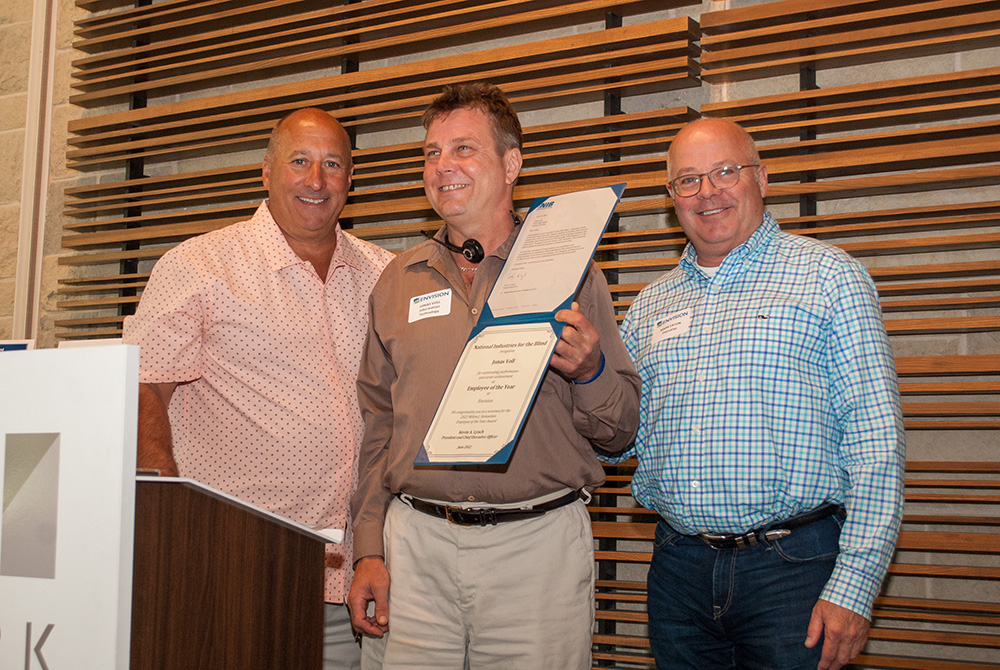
pixel 406 367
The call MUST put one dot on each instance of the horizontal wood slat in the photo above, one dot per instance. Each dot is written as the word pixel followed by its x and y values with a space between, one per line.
pixel 637 140
pixel 782 36
pixel 140 219
pixel 533 72
pixel 195 52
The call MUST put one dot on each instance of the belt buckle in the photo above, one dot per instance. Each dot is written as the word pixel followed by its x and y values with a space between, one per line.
pixel 746 540
pixel 714 541
pixel 486 515
pixel 448 511
pixel 749 539
pixel 740 541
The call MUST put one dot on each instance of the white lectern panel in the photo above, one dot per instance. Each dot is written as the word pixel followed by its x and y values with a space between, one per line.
pixel 67 472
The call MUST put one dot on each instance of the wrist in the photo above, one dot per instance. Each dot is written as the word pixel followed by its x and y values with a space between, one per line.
pixel 597 374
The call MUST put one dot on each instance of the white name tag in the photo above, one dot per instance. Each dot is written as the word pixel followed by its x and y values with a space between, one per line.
pixel 425 306
pixel 671 325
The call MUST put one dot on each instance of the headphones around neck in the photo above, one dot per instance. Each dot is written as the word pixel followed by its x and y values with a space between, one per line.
pixel 471 248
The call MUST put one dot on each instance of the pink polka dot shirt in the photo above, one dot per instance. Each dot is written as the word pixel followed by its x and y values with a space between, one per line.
pixel 271 352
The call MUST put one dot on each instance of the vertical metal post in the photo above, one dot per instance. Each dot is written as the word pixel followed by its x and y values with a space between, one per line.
pixel 608 570
pixel 807 82
pixel 612 107
pixel 134 170
pixel 348 65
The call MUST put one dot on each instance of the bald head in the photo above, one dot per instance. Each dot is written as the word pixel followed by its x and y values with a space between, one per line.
pixel 698 130
pixel 716 220
pixel 309 117
pixel 307 172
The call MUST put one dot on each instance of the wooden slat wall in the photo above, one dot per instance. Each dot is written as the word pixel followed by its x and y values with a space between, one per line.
pixel 184 92
pixel 187 51
pixel 150 214
pixel 779 37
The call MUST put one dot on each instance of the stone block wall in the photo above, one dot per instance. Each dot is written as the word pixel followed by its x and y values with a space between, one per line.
pixel 15 43
pixel 16 24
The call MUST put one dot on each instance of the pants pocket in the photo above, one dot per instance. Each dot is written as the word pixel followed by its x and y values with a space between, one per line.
pixel 819 541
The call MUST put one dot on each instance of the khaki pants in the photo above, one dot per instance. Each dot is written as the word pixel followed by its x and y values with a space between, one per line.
pixel 340 649
pixel 515 596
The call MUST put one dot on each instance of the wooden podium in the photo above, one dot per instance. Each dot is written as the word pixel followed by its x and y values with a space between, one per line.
pixel 219 586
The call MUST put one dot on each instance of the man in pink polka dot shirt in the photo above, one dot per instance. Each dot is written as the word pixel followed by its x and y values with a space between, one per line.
pixel 251 337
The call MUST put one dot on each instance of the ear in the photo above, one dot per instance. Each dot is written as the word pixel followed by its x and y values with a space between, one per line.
pixel 512 161
pixel 265 173
pixel 762 180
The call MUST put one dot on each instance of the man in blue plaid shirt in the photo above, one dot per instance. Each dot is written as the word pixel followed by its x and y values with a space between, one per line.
pixel 771 437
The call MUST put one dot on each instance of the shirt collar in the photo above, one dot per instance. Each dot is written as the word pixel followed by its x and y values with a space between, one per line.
pixel 279 255
pixel 742 254
pixel 435 255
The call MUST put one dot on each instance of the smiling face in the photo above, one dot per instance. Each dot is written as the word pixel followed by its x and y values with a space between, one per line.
pixel 717 221
pixel 307 174
pixel 468 182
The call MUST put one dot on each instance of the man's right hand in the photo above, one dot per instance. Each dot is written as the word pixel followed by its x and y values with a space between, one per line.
pixel 371 583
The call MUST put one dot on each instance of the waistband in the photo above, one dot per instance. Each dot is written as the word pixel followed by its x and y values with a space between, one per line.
pixel 773 531
pixel 487 516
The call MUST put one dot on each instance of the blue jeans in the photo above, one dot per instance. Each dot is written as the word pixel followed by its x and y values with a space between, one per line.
pixel 712 609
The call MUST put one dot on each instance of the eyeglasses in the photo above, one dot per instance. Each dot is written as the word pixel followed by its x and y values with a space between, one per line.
pixel 723 177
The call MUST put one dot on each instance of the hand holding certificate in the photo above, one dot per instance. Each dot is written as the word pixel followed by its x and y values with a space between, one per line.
pixel 502 366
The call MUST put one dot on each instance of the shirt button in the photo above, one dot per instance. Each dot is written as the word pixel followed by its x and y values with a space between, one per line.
pixel 695 484
pixel 701 378
pixel 695 429
pixel 475 311
pixel 471 498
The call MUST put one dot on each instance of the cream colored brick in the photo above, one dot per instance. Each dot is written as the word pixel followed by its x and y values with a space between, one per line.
pixel 58 143
pixel 12 110
pixel 8 267
pixel 62 76
pixel 66 14
pixel 54 221
pixel 47 331
pixel 980 58
pixel 11 165
pixel 6 303
pixel 15 11
pixel 9 215
pixel 15 43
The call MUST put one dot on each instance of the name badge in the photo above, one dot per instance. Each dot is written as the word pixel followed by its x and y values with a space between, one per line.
pixel 425 306
pixel 671 325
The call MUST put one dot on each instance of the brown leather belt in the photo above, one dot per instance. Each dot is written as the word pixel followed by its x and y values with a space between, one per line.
pixel 773 531
pixel 488 516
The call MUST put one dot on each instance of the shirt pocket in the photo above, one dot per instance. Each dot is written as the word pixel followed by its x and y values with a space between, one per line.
pixel 778 333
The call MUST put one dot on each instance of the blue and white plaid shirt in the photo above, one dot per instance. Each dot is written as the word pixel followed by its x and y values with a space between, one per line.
pixel 768 390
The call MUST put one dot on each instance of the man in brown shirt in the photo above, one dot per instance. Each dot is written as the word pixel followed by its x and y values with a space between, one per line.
pixel 507 579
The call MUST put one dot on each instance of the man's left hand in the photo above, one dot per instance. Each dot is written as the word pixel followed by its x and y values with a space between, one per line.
pixel 844 634
pixel 578 351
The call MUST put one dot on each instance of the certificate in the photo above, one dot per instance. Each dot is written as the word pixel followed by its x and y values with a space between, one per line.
pixel 502 366
pixel 490 392
pixel 552 251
